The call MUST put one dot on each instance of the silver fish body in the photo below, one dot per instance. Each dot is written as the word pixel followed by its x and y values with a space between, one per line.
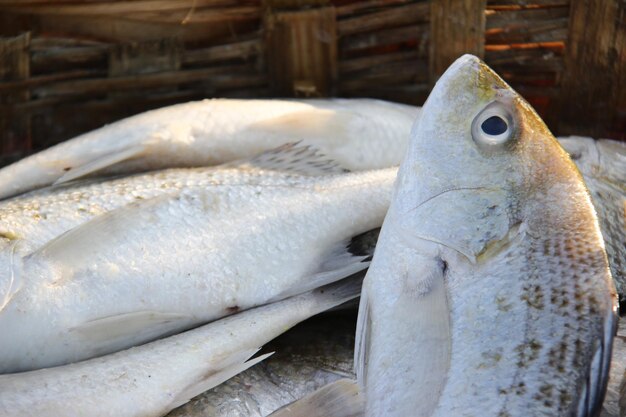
pixel 33 219
pixel 165 264
pixel 150 380
pixel 359 133
pixel 489 293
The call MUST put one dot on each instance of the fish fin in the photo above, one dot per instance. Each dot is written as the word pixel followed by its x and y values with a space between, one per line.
pixel 291 157
pixel 141 325
pixel 313 123
pixel 100 162
pixel 339 292
pixel 336 264
pixel 14 277
pixel 424 299
pixel 234 365
pixel 75 248
pixel 362 339
pixel 594 389
pixel 338 399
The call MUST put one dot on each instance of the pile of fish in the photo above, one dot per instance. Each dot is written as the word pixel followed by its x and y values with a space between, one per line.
pixel 147 263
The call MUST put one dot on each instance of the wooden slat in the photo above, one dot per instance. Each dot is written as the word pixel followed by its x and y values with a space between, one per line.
pixel 524 17
pixel 395 16
pixel 55 59
pixel 38 44
pixel 367 62
pixel 238 50
pixel 114 7
pixel 526 3
pixel 548 31
pixel 145 57
pixel 594 79
pixel 457 27
pixel 395 73
pixel 383 37
pixel 121 29
pixel 366 6
pixel 294 4
pixel 7 87
pixel 226 77
pixel 302 51
pixel 198 16
pixel 15 132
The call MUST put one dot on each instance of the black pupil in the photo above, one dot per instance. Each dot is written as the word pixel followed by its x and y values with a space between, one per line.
pixel 494 125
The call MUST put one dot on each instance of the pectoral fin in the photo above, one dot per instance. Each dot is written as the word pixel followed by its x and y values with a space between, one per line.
pixel 139 325
pixel 362 339
pixel 79 245
pixel 338 262
pixel 338 399
pixel 90 166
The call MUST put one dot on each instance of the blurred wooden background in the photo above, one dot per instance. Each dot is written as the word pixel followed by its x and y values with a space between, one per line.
pixel 69 66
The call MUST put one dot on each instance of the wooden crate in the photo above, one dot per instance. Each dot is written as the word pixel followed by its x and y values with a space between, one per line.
pixel 73 65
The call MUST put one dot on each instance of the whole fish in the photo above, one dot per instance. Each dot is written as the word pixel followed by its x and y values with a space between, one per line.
pixel 489 293
pixel 37 217
pixel 358 133
pixel 168 263
pixel 309 356
pixel 603 165
pixel 154 378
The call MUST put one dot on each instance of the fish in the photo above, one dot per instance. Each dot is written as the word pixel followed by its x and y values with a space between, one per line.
pixel 152 379
pixel 316 352
pixel 358 133
pixel 39 216
pixel 489 292
pixel 165 264
pixel 603 165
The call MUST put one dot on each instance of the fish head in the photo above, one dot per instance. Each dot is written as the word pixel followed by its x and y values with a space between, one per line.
pixel 477 151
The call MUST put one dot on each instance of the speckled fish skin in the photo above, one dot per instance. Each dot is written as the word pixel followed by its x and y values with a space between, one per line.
pixel 35 218
pixel 603 165
pixel 489 293
pixel 311 355
pixel 162 265
pixel 152 379
pixel 358 133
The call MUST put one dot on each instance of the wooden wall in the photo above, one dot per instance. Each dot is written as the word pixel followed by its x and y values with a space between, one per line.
pixel 73 65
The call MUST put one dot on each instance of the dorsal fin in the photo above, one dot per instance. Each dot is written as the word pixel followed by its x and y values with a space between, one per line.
pixel 291 157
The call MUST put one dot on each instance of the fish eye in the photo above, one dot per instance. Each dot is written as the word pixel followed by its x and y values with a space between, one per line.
pixel 493 126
